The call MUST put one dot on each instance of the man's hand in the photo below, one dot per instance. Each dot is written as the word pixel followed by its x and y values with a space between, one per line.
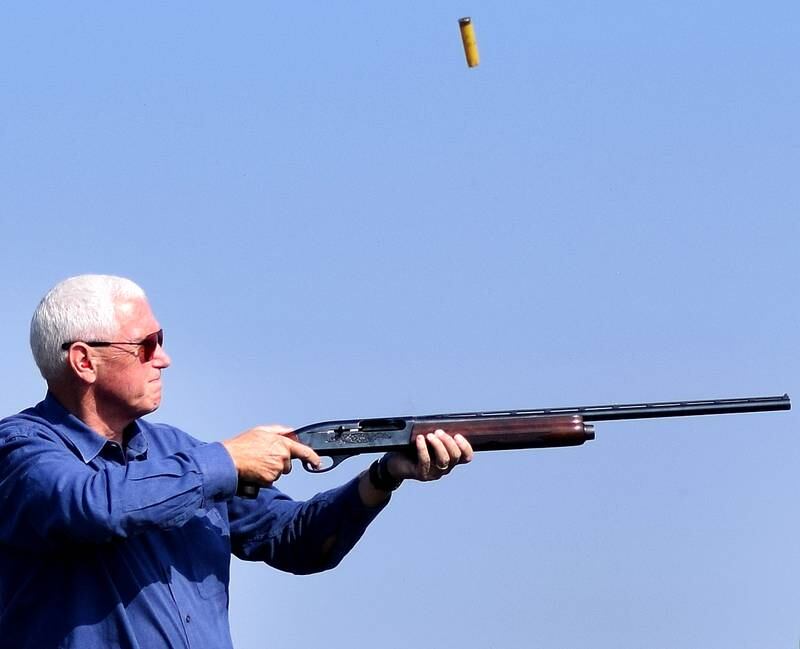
pixel 264 453
pixel 437 454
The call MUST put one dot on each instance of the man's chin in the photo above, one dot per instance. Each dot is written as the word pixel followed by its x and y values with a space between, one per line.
pixel 155 400
pixel 151 405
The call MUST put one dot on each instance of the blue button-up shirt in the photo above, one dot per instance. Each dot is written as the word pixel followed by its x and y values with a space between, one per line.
pixel 109 546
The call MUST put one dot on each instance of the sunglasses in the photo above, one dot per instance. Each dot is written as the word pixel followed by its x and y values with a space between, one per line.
pixel 149 344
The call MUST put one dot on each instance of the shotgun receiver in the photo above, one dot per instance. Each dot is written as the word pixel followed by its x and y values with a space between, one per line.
pixel 500 430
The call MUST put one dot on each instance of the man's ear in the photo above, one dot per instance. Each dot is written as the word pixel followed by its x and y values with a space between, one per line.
pixel 81 364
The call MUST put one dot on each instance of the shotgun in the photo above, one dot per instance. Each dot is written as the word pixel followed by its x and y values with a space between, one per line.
pixel 500 430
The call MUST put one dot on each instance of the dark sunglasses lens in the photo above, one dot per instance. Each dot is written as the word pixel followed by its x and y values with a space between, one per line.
pixel 151 343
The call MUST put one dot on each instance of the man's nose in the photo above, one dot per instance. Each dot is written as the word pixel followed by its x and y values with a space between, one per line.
pixel 161 358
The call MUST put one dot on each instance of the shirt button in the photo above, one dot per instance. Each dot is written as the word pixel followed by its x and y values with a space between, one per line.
pixel 188 619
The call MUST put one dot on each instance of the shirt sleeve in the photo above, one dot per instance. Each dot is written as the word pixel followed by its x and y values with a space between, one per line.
pixel 49 497
pixel 301 537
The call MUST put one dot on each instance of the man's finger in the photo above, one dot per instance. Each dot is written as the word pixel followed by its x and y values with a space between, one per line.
pixel 453 450
pixel 304 453
pixel 423 455
pixel 466 448
pixel 440 455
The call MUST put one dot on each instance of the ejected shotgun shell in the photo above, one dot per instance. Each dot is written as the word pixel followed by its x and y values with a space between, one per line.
pixel 470 43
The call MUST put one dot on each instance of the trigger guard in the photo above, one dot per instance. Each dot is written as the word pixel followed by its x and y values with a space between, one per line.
pixel 335 461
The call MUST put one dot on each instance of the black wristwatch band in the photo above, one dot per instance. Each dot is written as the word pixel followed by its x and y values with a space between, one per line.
pixel 380 478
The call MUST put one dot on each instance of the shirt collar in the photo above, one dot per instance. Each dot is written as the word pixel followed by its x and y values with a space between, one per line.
pixel 135 438
pixel 88 442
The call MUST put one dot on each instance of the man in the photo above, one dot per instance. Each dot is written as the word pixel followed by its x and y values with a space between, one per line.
pixel 117 532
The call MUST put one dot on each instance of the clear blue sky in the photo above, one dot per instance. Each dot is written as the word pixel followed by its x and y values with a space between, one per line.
pixel 334 217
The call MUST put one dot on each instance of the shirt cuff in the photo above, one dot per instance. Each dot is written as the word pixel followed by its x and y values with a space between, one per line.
pixel 217 470
pixel 353 504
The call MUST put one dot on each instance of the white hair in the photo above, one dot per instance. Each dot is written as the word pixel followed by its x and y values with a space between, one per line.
pixel 79 308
